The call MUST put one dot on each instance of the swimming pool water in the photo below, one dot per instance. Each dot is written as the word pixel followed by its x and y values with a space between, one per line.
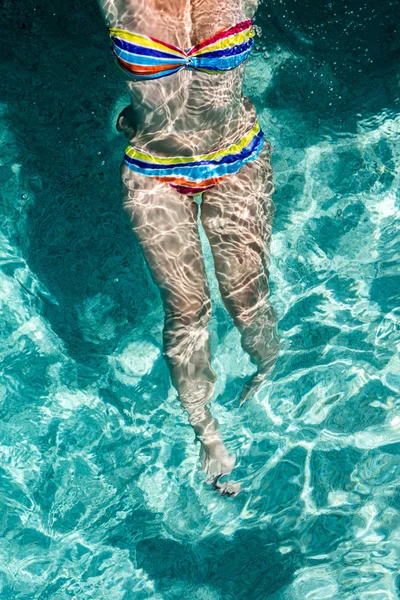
pixel 100 490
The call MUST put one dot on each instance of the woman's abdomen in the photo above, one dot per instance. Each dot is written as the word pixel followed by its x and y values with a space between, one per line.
pixel 189 113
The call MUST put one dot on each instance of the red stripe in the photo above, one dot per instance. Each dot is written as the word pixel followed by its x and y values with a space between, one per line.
pixel 183 189
pixel 221 35
pixel 170 46
pixel 185 183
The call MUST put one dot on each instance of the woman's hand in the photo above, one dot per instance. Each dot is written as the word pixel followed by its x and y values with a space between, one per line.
pixel 126 122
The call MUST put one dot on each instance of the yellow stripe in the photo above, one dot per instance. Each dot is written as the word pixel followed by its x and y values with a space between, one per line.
pixel 209 72
pixel 143 40
pixel 176 160
pixel 228 42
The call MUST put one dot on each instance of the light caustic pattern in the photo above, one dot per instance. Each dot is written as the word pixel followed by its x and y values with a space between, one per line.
pixel 101 493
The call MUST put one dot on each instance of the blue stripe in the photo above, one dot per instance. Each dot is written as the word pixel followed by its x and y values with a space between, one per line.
pixel 135 59
pixel 218 65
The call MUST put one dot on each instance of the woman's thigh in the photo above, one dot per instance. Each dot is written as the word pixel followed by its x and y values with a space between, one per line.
pixel 165 224
pixel 237 217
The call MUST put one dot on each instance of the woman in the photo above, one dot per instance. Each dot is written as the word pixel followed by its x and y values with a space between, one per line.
pixel 192 134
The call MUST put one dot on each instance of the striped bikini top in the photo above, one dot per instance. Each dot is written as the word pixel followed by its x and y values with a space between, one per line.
pixel 145 57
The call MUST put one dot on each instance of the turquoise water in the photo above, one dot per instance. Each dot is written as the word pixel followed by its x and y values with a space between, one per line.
pixel 100 490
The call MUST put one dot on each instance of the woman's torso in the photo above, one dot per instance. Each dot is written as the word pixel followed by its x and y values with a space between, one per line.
pixel 188 112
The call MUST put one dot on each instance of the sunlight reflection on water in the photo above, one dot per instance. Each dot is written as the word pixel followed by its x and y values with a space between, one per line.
pixel 100 479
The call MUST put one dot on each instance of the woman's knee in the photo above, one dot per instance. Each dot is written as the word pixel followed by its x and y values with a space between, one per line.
pixel 186 325
pixel 186 337
pixel 185 314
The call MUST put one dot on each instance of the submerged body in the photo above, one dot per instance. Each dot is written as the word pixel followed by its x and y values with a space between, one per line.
pixel 187 114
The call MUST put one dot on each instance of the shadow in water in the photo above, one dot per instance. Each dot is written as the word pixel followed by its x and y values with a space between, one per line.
pixel 59 91
pixel 246 566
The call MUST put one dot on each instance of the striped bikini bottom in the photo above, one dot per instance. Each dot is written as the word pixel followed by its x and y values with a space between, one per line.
pixel 195 174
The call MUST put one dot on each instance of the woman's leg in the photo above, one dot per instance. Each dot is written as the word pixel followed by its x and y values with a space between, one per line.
pixel 165 224
pixel 237 218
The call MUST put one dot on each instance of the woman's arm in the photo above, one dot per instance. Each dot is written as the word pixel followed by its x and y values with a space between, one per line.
pixel 112 11
pixel 250 8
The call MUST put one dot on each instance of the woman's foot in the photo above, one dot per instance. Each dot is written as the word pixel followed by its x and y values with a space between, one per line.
pixel 252 386
pixel 214 457
pixel 216 462
pixel 226 488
